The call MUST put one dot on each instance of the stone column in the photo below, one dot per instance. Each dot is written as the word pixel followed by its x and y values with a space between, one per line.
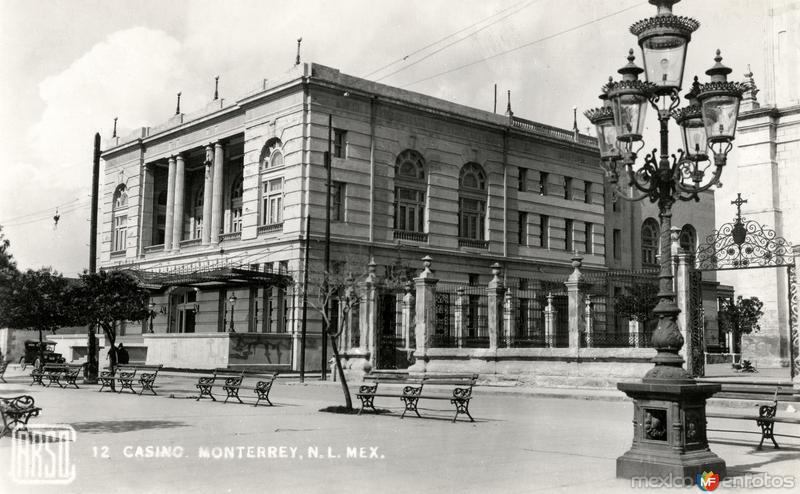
pixel 574 286
pixel 460 316
pixel 408 315
pixel 495 292
pixel 368 313
pixel 550 322
pixel 208 194
pixel 589 321
pixel 425 316
pixel 217 208
pixel 170 204
pixel 508 317
pixel 177 222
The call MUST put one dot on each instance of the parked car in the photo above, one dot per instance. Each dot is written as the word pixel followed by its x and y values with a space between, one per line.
pixel 48 349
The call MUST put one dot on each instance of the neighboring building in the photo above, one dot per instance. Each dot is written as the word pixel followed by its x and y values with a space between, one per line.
pixel 209 208
pixel 767 174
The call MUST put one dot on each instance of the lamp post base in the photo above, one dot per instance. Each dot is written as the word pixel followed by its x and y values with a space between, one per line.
pixel 669 438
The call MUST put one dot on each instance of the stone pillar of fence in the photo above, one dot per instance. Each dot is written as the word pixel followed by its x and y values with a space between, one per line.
pixel 368 313
pixel 575 287
pixel 635 332
pixel 408 315
pixel 495 296
pixel 460 316
pixel 550 322
pixel 588 312
pixel 425 314
pixel 509 309
pixel 692 350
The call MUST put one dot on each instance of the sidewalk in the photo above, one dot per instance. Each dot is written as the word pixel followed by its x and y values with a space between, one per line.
pixel 520 442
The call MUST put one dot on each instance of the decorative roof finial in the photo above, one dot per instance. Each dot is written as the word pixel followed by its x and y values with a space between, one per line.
pixel 297 58
pixel 752 89
pixel 509 113
pixel 575 131
pixel 114 133
pixel 178 106
pixel 216 88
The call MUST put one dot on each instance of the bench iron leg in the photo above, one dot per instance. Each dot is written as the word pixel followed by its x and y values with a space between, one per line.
pixel 411 405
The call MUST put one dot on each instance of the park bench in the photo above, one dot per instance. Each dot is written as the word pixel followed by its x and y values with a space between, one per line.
pixel 3 367
pixel 126 376
pixel 231 383
pixel 16 412
pixel 766 419
pixel 457 388
pixel 69 373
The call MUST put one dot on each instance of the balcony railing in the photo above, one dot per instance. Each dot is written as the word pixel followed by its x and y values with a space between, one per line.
pixel 153 248
pixel 407 235
pixel 554 132
pixel 118 253
pixel 224 237
pixel 191 242
pixel 272 227
pixel 474 243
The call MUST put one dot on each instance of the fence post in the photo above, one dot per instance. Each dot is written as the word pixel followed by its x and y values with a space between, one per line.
pixel 635 333
pixel 588 316
pixel 550 322
pixel 408 315
pixel 368 314
pixel 425 313
pixel 574 286
pixel 460 316
pixel 508 317
pixel 495 292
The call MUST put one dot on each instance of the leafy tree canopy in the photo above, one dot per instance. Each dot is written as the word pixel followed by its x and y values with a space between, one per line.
pixel 106 297
pixel 741 316
pixel 639 303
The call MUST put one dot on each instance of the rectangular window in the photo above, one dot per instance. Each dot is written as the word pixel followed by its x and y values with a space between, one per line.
pixel 523 229
pixel 544 231
pixel 569 244
pixel 617 241
pixel 523 179
pixel 338 196
pixel 587 187
pixel 543 178
pixel 568 188
pixel 472 215
pixel 473 279
pixel 339 143
pixel 409 210
pixel 589 234
pixel 120 233
pixel 273 201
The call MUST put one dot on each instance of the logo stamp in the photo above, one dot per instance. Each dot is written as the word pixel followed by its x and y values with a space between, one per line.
pixel 707 481
pixel 40 454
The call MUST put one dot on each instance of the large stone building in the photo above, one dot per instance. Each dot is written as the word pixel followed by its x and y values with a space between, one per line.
pixel 766 171
pixel 210 210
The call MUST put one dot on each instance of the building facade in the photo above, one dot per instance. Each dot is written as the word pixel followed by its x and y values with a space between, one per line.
pixel 210 209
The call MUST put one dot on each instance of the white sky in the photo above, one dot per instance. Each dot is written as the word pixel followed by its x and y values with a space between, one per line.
pixel 71 66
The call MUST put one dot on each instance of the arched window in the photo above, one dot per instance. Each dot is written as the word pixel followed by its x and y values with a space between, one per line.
pixel 119 212
pixel 410 184
pixel 271 185
pixel 235 205
pixel 650 232
pixel 688 238
pixel 272 154
pixel 472 202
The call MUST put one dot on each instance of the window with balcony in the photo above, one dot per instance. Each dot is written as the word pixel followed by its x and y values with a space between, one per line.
pixel 235 206
pixel 472 206
pixel 410 185
pixel 272 206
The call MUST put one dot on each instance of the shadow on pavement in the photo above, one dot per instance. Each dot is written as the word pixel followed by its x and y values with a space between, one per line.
pixel 125 425
pixel 738 470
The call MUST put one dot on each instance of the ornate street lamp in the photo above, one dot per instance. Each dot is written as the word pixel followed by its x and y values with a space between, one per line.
pixel 669 406
pixel 232 301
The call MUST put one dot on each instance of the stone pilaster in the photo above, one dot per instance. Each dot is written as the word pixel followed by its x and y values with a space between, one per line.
pixel 425 284
pixel 177 222
pixel 574 286
pixel 170 213
pixel 409 301
pixel 217 207
pixel 208 193
pixel 495 293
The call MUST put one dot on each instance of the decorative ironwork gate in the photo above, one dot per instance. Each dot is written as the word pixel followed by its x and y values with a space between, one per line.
pixel 746 244
pixel 392 351
pixel 697 318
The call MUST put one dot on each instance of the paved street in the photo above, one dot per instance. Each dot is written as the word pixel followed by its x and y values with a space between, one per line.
pixel 521 442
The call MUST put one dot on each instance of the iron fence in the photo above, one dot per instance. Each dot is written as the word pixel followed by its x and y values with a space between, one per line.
pixel 471 302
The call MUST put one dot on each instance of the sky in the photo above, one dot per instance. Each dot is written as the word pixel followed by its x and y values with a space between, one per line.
pixel 71 66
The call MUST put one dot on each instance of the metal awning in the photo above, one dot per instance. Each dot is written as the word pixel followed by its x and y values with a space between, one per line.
pixel 214 277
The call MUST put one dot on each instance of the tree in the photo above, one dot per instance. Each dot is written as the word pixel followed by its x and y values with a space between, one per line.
pixel 320 292
pixel 8 265
pixel 639 303
pixel 38 300
pixel 741 317
pixel 107 297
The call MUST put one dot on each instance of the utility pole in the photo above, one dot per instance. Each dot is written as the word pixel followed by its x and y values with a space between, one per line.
pixel 305 302
pixel 327 308
pixel 90 374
